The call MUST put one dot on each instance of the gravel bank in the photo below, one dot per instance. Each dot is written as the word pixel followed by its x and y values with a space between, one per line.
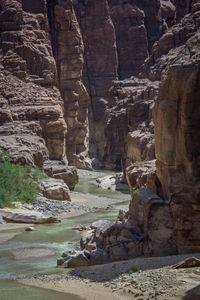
pixel 140 279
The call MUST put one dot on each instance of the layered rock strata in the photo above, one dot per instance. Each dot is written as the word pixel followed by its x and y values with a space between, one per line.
pixel 101 64
pixel 176 118
pixel 31 103
pixel 129 126
pixel 68 50
pixel 33 127
pixel 174 39
pixel 164 219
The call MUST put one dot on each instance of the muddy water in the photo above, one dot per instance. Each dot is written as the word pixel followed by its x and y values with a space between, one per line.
pixel 31 253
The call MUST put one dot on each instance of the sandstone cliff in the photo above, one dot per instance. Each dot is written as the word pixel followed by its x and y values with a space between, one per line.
pixel 60 60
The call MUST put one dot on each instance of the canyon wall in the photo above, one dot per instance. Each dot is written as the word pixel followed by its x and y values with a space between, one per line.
pixel 33 126
pixel 85 46
pixel 132 68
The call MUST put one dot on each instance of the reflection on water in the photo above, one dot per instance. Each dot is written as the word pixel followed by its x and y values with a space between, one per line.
pixel 58 237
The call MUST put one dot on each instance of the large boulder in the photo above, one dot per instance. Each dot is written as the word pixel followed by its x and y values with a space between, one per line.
pixel 143 174
pixel 77 260
pixel 26 216
pixel 59 170
pixel 113 182
pixel 152 214
pixel 55 189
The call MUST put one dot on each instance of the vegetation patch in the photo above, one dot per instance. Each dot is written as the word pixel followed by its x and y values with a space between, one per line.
pixel 133 270
pixel 17 183
pixel 139 163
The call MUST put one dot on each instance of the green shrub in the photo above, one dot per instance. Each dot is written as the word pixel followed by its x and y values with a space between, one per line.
pixel 139 163
pixel 133 270
pixel 17 183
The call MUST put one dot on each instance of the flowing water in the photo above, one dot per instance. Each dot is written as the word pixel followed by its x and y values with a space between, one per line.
pixel 31 253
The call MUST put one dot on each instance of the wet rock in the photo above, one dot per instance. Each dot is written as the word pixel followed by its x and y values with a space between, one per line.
pixel 85 241
pixel 2 221
pixel 26 216
pixel 60 261
pixel 123 215
pixel 77 260
pixel 80 227
pixel 30 229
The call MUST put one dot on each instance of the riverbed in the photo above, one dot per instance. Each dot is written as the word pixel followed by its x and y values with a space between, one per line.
pixel 27 254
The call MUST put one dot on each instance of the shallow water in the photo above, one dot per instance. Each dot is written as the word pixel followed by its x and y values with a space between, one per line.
pixel 57 237
pixel 10 289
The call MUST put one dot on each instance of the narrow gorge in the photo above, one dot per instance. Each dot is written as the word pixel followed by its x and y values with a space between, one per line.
pixel 101 96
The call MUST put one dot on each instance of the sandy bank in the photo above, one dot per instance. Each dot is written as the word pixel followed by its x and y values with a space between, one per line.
pixel 154 279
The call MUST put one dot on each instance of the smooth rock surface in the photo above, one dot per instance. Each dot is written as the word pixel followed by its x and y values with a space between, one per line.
pixel 26 216
pixel 55 189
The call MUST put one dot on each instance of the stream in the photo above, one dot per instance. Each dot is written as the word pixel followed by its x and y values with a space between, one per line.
pixel 31 253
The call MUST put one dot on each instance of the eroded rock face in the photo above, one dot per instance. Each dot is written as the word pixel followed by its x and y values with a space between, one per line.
pixel 131 36
pixel 170 48
pixel 152 214
pixel 176 120
pixel 129 126
pixel 101 64
pixel 59 170
pixel 68 51
pixel 143 175
pixel 32 118
pixel 32 122
pixel 33 114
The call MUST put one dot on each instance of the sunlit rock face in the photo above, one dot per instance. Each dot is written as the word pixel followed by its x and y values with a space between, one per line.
pixel 176 119
pixel 32 120
pixel 68 51
pixel 129 128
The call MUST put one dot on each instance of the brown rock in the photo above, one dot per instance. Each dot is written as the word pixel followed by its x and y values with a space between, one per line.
pixel 59 170
pixel 176 118
pixel 129 126
pixel 161 56
pixel 101 64
pixel 131 36
pixel 143 175
pixel 55 189
pixel 152 214
pixel 68 51
pixel 187 263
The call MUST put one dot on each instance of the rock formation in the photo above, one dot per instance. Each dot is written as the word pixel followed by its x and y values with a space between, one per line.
pixel 101 64
pixel 129 126
pixel 134 65
pixel 68 50
pixel 35 120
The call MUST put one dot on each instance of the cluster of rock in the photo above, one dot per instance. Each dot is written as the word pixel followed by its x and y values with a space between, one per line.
pixel 115 182
pixel 35 119
pixel 61 59
pixel 79 47
pixel 53 201
pixel 129 127
pixel 163 216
